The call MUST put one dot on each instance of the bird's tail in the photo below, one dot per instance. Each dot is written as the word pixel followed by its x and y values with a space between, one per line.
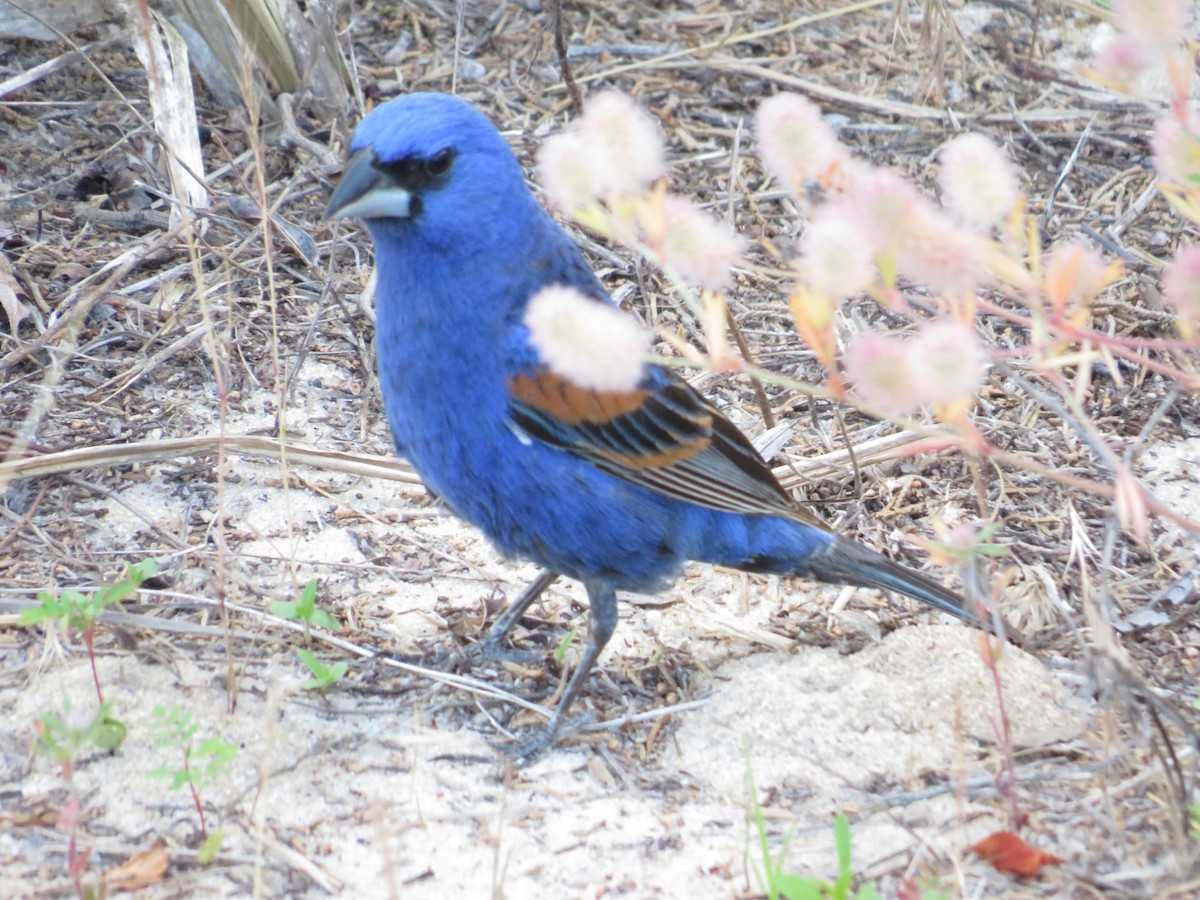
pixel 846 562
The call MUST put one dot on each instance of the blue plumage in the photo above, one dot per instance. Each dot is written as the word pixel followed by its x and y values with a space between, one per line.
pixel 618 499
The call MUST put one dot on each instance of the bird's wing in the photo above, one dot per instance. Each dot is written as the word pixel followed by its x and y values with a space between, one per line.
pixel 663 436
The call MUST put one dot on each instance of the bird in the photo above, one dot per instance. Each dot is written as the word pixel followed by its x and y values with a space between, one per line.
pixel 615 489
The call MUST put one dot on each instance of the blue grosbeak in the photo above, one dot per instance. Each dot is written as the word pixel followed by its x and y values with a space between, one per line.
pixel 615 489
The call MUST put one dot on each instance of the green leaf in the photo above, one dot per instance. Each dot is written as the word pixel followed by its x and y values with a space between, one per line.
pixel 798 887
pixel 112 593
pixel 323 675
pixel 108 733
pixel 173 726
pixel 35 614
pixel 126 585
pixel 560 652
pixel 139 572
pixel 284 609
pixel 308 599
pixel 220 753
pixel 325 620
pixel 841 840
pixel 211 846
pixel 310 659
pixel 992 550
pixel 51 729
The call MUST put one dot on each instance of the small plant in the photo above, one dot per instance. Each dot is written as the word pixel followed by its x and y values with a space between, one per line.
pixel 305 610
pixel 323 676
pixel 202 762
pixel 790 886
pixel 79 611
pixel 62 738
pixel 560 652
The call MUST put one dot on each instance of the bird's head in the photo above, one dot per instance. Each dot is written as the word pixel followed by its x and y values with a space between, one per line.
pixel 432 165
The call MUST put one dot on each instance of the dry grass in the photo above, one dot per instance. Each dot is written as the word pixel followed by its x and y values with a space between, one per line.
pixel 161 361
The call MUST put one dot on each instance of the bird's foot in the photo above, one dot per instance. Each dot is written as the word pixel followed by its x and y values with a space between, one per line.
pixel 527 748
pixel 473 655
pixel 491 650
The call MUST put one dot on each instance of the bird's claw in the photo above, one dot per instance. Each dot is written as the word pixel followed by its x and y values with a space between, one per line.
pixel 526 749
pixel 491 650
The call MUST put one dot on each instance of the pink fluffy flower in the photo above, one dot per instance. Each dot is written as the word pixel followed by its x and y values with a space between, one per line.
pixel 589 343
pixel 837 253
pixel 614 149
pixel 695 246
pixel 1181 289
pixel 1120 61
pixel 879 367
pixel 926 244
pixel 942 365
pixel 619 130
pixel 796 143
pixel 935 251
pixel 948 361
pixel 1074 276
pixel 1154 26
pixel 571 177
pixel 1176 147
pixel 888 204
pixel 978 182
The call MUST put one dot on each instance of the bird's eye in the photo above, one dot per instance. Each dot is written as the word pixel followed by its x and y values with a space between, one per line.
pixel 439 164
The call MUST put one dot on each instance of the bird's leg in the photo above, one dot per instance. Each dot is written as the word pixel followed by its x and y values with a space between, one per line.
pixel 603 600
pixel 489 647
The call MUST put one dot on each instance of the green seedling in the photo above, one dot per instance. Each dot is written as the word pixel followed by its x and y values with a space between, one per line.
pixel 79 611
pixel 203 761
pixel 62 738
pixel 790 886
pixel 560 652
pixel 305 610
pixel 323 675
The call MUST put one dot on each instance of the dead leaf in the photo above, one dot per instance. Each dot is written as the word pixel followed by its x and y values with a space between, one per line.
pixel 139 871
pixel 42 815
pixel 1009 853
pixel 1131 507
pixel 69 271
pixel 14 308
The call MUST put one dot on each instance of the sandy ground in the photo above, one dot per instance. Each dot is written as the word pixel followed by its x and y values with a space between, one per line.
pixel 382 788
pixel 354 794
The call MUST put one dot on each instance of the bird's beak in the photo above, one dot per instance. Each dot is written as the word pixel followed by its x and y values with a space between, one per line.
pixel 367 192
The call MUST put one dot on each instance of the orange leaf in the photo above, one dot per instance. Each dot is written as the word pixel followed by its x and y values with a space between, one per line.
pixel 990 651
pixel 139 871
pixel 1008 853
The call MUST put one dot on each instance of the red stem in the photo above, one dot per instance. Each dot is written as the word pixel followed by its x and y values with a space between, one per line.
pixel 1126 348
pixel 88 634
pixel 72 865
pixel 195 794
pixel 76 861
pixel 1006 778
